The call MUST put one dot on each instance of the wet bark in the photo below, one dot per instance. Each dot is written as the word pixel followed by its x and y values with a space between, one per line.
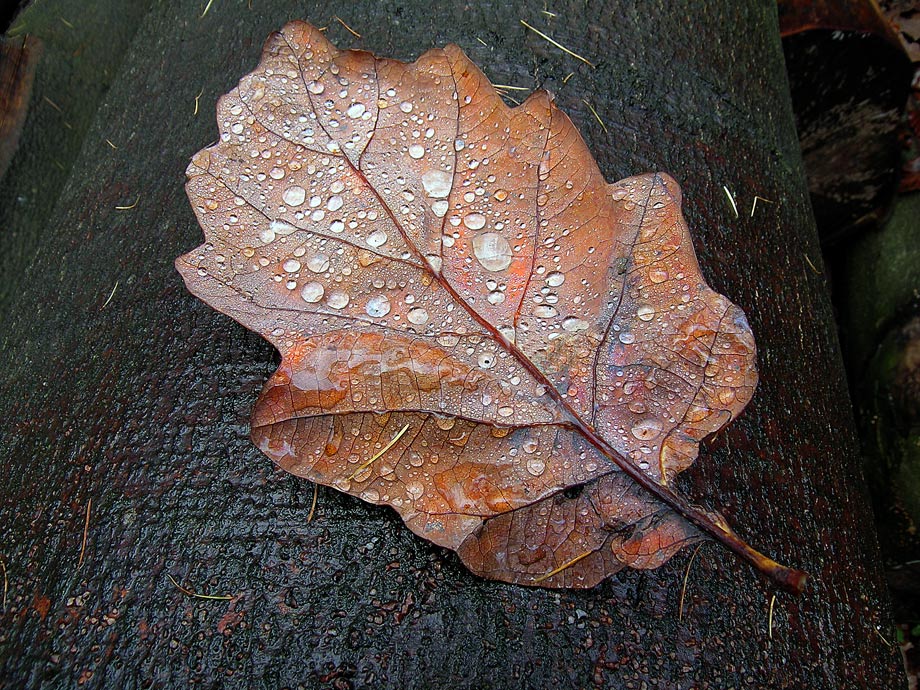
pixel 124 399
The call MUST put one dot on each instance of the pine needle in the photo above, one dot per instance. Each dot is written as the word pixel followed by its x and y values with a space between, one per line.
pixel 53 104
pixel 731 200
pixel 557 44
pixel 206 8
pixel 109 142
pixel 596 116
pixel 109 299
pixel 379 454
pixel 813 267
pixel 221 597
pixel 127 208
pixel 567 564
pixel 754 205
pixel 683 590
pixel 89 505
pixel 313 506
pixel 347 28
pixel 5 585
pixel 196 100
pixel 770 617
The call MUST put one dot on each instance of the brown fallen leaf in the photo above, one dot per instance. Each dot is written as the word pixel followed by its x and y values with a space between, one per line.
pixel 476 329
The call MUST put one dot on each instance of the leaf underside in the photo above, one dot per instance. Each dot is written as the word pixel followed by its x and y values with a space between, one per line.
pixel 475 328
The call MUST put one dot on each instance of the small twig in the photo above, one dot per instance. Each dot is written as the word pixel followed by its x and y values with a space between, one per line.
pixel 89 505
pixel 128 208
pixel 549 14
pixel 813 267
pixel 683 589
pixel 382 451
pixel 347 28
pixel 567 77
pixel 109 142
pixel 596 116
pixel 220 597
pixel 754 205
pixel 564 566
pixel 483 42
pixel 196 100
pixel 731 200
pixel 313 505
pixel 109 299
pixel 770 617
pixel 557 44
pixel 206 8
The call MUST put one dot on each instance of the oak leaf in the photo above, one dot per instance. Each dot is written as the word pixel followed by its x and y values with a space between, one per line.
pixel 475 328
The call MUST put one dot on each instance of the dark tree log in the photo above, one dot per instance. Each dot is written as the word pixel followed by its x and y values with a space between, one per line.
pixel 130 404
pixel 850 78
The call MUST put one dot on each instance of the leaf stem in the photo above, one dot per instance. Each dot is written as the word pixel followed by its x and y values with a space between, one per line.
pixel 790 579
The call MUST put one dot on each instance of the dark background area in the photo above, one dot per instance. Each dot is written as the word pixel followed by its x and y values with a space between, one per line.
pixel 124 399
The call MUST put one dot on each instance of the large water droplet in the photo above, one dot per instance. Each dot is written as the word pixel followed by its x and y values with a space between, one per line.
pixel 658 275
pixel 377 306
pixel 646 429
pixel 645 312
pixel 377 238
pixel 627 338
pixel 436 183
pixel 276 173
pixel 294 196
pixel 416 151
pixel 536 466
pixel 573 324
pixel 312 292
pixel 318 263
pixel 279 227
pixel 544 311
pixel 496 297
pixel 445 423
pixel 555 279
pixel 315 87
pixel 291 265
pixel 418 316
pixel 439 208
pixel 474 221
pixel 492 251
pixel 335 202
pixel 486 360
pixel 355 111
pixel 338 299
pixel 405 106
pixel 434 261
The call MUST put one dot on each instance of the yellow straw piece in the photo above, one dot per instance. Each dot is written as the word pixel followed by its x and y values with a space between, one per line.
pixel 380 453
